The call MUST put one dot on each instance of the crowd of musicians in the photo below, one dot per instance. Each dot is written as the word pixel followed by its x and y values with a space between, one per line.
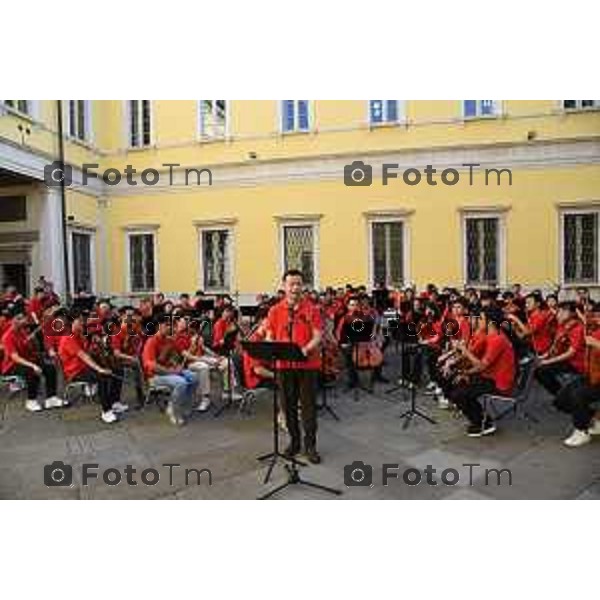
pixel 463 344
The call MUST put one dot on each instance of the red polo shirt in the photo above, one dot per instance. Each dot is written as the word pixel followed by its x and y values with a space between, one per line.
pixel 125 342
pixel 69 348
pixel 542 329
pixel 152 350
pixel 576 338
pixel 219 329
pixel 499 361
pixel 15 342
pixel 306 318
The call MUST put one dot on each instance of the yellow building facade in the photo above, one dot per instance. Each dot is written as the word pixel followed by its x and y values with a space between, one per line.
pixel 274 193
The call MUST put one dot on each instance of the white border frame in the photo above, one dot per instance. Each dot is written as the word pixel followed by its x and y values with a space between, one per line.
pixel 217 226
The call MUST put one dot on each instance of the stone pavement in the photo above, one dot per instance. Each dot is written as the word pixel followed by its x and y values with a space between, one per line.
pixel 369 431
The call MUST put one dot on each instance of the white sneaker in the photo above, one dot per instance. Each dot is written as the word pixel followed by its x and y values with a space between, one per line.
pixel 594 428
pixel 235 396
pixel 443 403
pixel 119 407
pixel 55 402
pixel 578 438
pixel 109 416
pixel 175 420
pixel 33 405
pixel 430 386
pixel 204 404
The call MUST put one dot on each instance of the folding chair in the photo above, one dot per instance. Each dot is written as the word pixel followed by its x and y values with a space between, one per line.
pixel 516 401
pixel 154 393
pixel 76 390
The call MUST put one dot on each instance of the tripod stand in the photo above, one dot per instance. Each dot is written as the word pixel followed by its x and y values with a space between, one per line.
pixel 228 344
pixel 271 352
pixel 323 381
pixel 413 411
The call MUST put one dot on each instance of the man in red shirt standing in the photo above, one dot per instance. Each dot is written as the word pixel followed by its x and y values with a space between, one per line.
pixel 298 320
pixel 493 373
pixel 20 358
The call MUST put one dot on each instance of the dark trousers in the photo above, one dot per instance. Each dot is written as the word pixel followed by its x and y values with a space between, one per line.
pixel 33 380
pixel 117 382
pixel 466 397
pixel 104 383
pixel 552 377
pixel 300 387
pixel 578 401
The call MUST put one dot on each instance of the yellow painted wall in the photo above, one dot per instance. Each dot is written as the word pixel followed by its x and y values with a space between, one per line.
pixel 339 128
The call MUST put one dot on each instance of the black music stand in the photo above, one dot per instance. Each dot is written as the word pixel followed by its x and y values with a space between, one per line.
pixel 324 390
pixel 228 347
pixel 415 350
pixel 271 352
pixel 358 331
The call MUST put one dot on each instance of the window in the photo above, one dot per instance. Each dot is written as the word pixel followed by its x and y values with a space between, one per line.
pixel 22 106
pixel 215 248
pixel 387 253
pixel 78 119
pixel 299 250
pixel 580 247
pixel 580 104
pixel 81 252
pixel 482 247
pixel 141 262
pixel 480 108
pixel 385 111
pixel 13 208
pixel 140 123
pixel 295 115
pixel 212 118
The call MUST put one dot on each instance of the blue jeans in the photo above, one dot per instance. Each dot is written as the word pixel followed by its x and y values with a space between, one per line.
pixel 183 386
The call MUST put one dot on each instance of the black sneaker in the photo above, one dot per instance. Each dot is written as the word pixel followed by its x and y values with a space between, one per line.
pixel 488 427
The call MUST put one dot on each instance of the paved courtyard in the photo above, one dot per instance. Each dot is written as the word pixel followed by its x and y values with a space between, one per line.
pixel 369 430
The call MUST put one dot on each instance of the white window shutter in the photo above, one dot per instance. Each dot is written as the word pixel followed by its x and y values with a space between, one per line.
pixel 401 108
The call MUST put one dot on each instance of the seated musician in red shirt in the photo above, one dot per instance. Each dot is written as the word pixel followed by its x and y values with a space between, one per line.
pixel 126 345
pixel 35 306
pixel 494 373
pixel 78 365
pixel 582 402
pixel 163 366
pixel 256 372
pixel 21 359
pixel 223 326
pixel 541 324
pixel 565 360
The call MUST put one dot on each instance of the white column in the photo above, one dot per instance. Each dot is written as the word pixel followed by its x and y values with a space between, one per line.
pixel 51 239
